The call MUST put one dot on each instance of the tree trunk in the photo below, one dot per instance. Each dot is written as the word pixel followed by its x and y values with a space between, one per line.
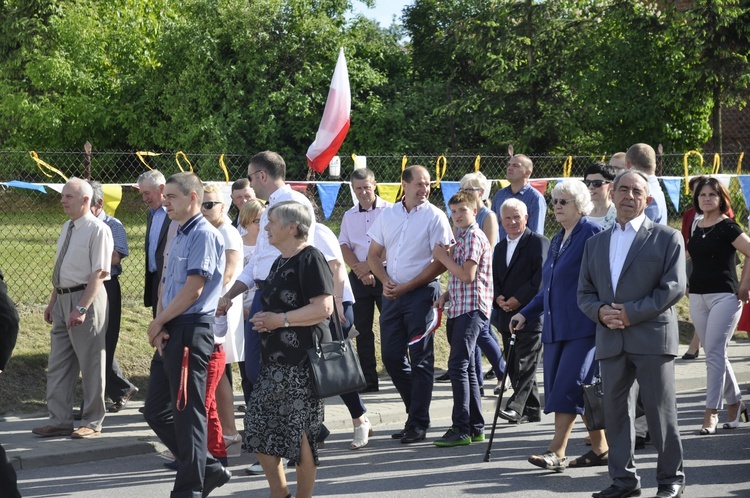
pixel 716 120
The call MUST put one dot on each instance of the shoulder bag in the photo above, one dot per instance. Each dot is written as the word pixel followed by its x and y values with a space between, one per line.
pixel 593 403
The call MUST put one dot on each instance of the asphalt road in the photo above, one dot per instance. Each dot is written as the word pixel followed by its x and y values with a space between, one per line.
pixel 716 466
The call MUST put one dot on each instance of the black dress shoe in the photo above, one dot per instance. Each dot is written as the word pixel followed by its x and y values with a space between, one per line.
pixel 414 435
pixel 511 416
pixel 617 492
pixel 215 480
pixel 400 434
pixel 370 389
pixel 670 490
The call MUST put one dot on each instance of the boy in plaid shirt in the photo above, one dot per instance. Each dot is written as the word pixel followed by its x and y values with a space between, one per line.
pixel 469 296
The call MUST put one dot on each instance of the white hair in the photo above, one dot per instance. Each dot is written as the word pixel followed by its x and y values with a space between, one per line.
pixel 578 191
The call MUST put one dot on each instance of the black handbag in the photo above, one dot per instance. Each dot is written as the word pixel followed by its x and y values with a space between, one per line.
pixel 335 365
pixel 593 403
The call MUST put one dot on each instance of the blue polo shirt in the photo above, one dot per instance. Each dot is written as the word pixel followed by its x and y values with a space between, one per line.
pixel 535 205
pixel 197 249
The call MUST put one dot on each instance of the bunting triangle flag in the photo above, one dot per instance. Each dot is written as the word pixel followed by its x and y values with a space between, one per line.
pixel 389 191
pixel 112 197
pixel 745 186
pixel 335 122
pixel 724 179
pixel 26 185
pixel 672 186
pixel 539 185
pixel 449 189
pixel 328 192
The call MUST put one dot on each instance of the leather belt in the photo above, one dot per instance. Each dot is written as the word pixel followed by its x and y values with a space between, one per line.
pixel 61 290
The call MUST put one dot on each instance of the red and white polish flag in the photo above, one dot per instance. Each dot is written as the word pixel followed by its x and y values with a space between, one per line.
pixel 335 123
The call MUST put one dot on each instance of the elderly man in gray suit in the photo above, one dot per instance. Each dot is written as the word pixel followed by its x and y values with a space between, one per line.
pixel 631 277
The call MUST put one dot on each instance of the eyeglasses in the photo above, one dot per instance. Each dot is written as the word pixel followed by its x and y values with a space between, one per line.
pixel 596 183
pixel 562 202
pixel 470 189
pixel 250 175
pixel 210 204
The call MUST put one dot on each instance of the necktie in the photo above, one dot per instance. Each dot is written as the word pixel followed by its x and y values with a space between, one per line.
pixel 63 250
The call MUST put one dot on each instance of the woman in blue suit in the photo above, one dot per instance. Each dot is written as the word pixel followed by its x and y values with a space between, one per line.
pixel 568 335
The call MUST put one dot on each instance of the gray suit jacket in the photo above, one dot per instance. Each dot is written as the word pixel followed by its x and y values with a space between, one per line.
pixel 651 282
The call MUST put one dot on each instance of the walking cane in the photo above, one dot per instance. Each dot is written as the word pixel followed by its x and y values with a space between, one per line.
pixel 508 358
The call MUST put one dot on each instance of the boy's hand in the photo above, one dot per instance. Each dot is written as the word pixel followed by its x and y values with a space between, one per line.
pixel 441 252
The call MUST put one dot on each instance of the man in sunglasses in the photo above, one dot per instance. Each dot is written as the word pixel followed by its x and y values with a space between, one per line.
pixel 519 171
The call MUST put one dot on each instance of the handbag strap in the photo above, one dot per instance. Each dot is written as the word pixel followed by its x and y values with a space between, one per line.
pixel 337 325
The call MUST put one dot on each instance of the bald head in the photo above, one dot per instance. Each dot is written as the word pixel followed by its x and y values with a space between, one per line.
pixel 76 198
pixel 642 157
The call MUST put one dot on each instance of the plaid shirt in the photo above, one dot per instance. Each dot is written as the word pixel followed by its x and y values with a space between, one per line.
pixel 472 244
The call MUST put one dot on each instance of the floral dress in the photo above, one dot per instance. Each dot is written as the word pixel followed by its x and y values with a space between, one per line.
pixel 282 405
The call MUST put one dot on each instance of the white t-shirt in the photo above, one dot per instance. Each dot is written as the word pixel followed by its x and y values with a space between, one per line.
pixel 231 324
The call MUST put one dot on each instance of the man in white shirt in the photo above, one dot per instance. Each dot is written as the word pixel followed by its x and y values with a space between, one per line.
pixel 404 237
pixel 266 172
pixel 368 290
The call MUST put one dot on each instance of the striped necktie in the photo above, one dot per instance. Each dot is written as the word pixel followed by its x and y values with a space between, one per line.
pixel 63 250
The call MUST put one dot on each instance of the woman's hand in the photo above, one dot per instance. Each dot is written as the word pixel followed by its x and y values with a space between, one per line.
pixel 267 322
pixel 519 319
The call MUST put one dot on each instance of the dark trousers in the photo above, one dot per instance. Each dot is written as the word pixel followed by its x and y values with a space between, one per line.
pixel 411 367
pixel 352 400
pixel 7 477
pixel 252 342
pixel 522 373
pixel 117 386
pixel 462 332
pixel 165 416
pixel 366 298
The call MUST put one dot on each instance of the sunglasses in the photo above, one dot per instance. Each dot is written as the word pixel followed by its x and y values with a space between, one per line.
pixel 210 204
pixel 596 183
pixel 562 202
pixel 470 189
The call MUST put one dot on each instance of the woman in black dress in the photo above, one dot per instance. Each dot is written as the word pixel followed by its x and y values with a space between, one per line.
pixel 284 417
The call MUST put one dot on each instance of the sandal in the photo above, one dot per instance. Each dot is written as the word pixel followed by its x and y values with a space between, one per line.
pixel 590 459
pixel 362 434
pixel 548 460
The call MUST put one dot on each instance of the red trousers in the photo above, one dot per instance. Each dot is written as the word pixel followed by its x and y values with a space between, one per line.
pixel 216 367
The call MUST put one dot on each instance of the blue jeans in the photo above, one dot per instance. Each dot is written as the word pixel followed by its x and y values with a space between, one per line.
pixel 462 332
pixel 401 320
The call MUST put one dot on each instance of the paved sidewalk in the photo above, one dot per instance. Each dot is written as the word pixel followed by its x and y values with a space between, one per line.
pixel 127 434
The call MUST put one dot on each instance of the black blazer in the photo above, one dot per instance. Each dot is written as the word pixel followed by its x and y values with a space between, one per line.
pixel 521 279
pixel 151 286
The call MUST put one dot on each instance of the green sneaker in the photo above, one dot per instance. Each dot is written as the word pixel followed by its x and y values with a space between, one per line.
pixel 452 438
pixel 477 437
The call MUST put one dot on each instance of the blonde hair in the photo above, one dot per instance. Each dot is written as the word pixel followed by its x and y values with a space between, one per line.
pixel 211 188
pixel 249 211
pixel 474 180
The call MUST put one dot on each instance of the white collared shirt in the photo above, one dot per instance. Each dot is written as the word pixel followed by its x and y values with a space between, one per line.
pixel 619 246
pixel 512 244
pixel 409 238
pixel 265 254
pixel 355 225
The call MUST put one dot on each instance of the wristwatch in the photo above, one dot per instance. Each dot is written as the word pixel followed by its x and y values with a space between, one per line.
pixel 81 309
pixel 286 322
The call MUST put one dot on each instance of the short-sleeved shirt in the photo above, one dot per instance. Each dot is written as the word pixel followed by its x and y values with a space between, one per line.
pixel 290 285
pixel 89 250
pixel 409 238
pixel 535 205
pixel 472 245
pixel 714 258
pixel 233 317
pixel 119 237
pixel 325 242
pixel 656 211
pixel 265 254
pixel 355 225
pixel 197 249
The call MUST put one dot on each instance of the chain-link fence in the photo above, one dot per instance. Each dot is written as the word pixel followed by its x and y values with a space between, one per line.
pixel 30 220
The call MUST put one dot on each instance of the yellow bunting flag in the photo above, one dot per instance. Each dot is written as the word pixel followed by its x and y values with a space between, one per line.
pixel 177 160
pixel 41 165
pixel 503 183
pixel 389 191
pixel 440 172
pixel 685 166
pixel 717 165
pixel 112 198
pixel 476 164
pixel 224 167
pixel 739 163
pixel 568 167
pixel 140 155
